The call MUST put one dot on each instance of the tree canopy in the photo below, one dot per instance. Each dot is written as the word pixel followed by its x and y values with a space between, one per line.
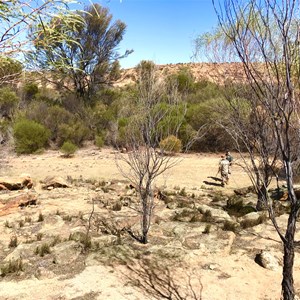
pixel 87 54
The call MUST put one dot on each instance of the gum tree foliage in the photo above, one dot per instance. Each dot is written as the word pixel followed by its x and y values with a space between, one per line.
pixel 17 17
pixel 264 37
pixel 158 113
pixel 85 58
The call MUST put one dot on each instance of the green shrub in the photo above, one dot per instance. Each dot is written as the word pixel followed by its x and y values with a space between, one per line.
pixel 171 144
pixel 13 243
pixel 207 229
pixel 41 217
pixel 230 226
pixel 30 90
pixel 76 132
pixel 42 250
pixel 207 216
pixel 8 102
pixel 99 141
pixel 56 240
pixel 29 136
pixel 14 266
pixel 68 149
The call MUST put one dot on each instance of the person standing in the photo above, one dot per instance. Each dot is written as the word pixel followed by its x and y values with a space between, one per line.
pixel 224 170
pixel 230 159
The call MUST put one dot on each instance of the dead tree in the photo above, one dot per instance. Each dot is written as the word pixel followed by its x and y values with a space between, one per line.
pixel 158 114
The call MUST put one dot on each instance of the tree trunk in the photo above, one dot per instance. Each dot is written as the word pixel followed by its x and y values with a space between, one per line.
pixel 261 198
pixel 145 221
pixel 288 257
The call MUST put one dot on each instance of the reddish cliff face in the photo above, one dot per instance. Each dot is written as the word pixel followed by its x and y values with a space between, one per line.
pixel 215 72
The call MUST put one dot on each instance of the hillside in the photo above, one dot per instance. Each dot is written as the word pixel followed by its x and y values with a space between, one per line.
pixel 215 72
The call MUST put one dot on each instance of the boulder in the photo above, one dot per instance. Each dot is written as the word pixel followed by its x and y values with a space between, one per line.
pixel 51 182
pixel 13 183
pixel 218 215
pixel 251 217
pixel 267 260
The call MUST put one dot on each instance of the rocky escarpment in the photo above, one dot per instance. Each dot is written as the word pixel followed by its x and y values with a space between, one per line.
pixel 214 72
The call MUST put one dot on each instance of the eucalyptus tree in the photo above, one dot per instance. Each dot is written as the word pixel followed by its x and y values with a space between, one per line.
pixel 83 60
pixel 264 37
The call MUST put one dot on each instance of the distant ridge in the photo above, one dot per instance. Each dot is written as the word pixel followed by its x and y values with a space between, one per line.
pixel 214 72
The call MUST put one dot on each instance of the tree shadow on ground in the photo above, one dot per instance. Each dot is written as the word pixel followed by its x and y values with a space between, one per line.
pixel 158 281
pixel 217 181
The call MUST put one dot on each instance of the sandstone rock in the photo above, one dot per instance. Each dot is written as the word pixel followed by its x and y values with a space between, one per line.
pixel 253 218
pixel 22 251
pixel 14 202
pixel 67 252
pixel 54 182
pixel 218 215
pixel 16 183
pixel 267 260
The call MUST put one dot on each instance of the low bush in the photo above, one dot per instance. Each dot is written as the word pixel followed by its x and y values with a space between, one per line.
pixel 14 266
pixel 13 243
pixel 171 144
pixel 207 229
pixel 230 226
pixel 41 217
pixel 99 141
pixel 207 216
pixel 42 250
pixel 29 136
pixel 68 149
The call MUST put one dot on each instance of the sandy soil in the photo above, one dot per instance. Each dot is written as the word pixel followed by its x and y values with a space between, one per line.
pixel 229 276
pixel 191 172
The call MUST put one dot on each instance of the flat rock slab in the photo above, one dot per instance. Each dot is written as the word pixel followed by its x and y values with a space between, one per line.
pixel 10 203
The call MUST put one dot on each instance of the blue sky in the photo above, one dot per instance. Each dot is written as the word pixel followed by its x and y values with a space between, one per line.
pixel 161 30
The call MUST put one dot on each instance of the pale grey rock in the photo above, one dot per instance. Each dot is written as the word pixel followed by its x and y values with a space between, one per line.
pixel 267 260
pixel 218 215
pixel 67 252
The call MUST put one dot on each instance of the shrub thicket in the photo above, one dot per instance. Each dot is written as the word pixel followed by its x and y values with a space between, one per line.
pixel 76 132
pixel 29 136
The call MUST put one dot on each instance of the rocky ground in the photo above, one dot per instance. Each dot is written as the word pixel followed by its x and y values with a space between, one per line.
pixel 66 232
